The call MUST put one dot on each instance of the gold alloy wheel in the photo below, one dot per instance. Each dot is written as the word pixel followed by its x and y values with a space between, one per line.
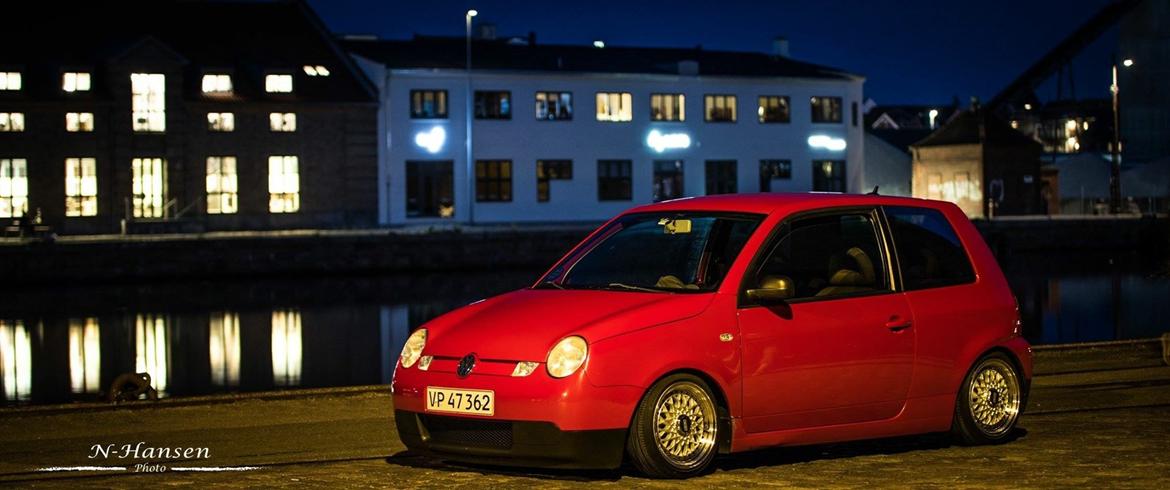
pixel 994 397
pixel 684 425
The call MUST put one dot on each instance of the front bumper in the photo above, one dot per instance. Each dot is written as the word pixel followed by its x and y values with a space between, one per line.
pixel 509 443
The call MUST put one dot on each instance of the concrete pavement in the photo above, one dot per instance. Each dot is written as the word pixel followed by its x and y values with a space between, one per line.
pixel 1091 428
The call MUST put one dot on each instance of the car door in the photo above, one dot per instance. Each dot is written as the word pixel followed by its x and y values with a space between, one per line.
pixel 841 348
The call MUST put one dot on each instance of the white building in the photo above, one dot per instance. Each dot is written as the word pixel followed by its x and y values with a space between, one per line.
pixel 574 133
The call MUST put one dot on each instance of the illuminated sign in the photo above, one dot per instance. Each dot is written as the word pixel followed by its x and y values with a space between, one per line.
pixel 670 141
pixel 431 140
pixel 826 142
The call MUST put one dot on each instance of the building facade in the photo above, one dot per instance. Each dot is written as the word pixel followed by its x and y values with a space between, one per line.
pixel 214 122
pixel 574 133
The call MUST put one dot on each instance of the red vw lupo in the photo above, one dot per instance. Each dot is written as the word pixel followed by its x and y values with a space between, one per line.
pixel 721 324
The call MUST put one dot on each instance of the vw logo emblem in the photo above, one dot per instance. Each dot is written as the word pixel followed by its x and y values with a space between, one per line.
pixel 465 365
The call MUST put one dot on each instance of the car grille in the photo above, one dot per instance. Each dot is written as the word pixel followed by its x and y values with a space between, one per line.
pixel 468 432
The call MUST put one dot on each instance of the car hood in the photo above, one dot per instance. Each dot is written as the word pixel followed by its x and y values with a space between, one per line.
pixel 523 325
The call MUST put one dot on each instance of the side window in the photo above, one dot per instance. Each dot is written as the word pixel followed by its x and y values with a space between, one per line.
pixel 929 252
pixel 825 256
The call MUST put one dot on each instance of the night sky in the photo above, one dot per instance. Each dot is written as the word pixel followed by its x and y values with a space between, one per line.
pixel 911 51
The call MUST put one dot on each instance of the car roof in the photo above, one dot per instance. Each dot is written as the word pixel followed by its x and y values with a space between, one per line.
pixel 772 202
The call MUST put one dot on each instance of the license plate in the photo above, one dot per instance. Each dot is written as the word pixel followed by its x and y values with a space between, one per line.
pixel 471 402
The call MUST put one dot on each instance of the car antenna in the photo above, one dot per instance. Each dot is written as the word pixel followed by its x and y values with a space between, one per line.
pixel 874 192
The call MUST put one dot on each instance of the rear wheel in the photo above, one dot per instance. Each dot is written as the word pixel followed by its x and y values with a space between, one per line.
pixel 675 429
pixel 989 403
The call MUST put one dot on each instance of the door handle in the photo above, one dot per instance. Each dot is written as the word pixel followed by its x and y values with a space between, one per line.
pixel 897 325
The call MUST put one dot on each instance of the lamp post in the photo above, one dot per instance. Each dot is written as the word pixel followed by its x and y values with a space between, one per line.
pixel 470 170
pixel 1115 150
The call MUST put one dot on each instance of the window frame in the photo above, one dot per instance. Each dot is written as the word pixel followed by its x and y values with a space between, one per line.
pixel 621 96
pixel 76 79
pixel 483 96
pixel 778 162
pixel 221 193
pixel 680 111
pixel 546 181
pixel 558 94
pixel 893 247
pixel 629 179
pixel 714 164
pixel 80 127
pixel 734 112
pixel 271 91
pixel 446 112
pixel 217 94
pixel 220 115
pixel 486 181
pixel 760 105
pixel 884 241
pixel 840 109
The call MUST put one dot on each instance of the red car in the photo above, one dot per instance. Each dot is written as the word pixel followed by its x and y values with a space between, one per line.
pixel 721 324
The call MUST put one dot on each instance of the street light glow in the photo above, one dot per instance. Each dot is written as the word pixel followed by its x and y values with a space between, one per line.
pixel 1128 62
pixel 472 13
pixel 599 44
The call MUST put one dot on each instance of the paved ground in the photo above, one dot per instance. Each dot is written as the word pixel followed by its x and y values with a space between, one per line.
pixel 1095 429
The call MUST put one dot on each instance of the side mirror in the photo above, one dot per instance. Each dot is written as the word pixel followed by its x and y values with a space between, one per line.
pixel 773 290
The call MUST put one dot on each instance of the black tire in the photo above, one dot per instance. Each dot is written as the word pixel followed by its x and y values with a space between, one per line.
pixel 656 414
pixel 989 402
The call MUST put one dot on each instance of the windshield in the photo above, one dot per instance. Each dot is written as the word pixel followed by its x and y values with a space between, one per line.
pixel 674 252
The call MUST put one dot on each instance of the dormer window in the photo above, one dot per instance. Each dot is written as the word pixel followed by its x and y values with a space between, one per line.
pixel 217 84
pixel 316 70
pixel 278 84
pixel 78 81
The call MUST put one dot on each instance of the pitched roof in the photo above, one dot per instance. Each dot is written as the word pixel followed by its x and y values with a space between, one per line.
pixel 246 38
pixel 973 127
pixel 522 55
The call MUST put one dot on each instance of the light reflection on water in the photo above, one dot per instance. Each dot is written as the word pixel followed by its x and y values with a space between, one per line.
pixel 67 344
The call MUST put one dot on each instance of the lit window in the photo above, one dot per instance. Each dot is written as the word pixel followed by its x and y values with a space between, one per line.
pixel 224 348
pixel 493 105
pixel 221 121
pixel 493 180
pixel 9 80
pixel 549 170
pixel 148 99
pixel 316 70
pixel 222 197
pixel 151 348
pixel 428 104
pixel 85 356
pixel 11 122
pixel 287 348
pixel 150 187
pixel 15 360
pixel 75 82
pixel 278 84
pixel 79 122
pixel 826 109
pixel 615 106
pixel 774 109
pixel 13 187
pixel 554 106
pixel 284 184
pixel 217 84
pixel 667 107
pixel 282 122
pixel 80 187
pixel 719 108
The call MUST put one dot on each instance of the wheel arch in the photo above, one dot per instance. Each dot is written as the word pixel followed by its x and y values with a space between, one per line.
pixel 723 446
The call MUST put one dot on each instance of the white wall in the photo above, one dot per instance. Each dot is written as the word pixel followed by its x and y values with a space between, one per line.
pixel 584 140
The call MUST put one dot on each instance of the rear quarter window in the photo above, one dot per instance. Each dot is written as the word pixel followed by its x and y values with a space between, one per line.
pixel 930 253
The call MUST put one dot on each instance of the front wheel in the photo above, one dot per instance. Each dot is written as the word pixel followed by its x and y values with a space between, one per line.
pixel 675 428
pixel 989 402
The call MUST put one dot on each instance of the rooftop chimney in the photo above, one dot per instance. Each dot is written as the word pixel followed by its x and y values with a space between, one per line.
pixel 780 47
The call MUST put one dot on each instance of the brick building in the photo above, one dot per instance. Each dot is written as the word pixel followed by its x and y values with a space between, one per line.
pixel 183 116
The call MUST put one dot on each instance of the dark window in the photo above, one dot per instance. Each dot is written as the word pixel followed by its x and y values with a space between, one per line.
pixel 828 175
pixel 613 180
pixel 429 190
pixel 826 109
pixel 493 180
pixel 774 109
pixel 774 169
pixel 929 252
pixel 548 170
pixel 824 256
pixel 667 107
pixel 668 179
pixel 554 106
pixel 853 113
pixel 428 104
pixel 719 108
pixel 493 105
pixel 721 178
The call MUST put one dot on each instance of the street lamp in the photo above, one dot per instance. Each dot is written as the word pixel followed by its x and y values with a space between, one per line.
pixel 1115 150
pixel 470 170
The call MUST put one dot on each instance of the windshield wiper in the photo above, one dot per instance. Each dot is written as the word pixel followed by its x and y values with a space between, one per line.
pixel 548 285
pixel 619 285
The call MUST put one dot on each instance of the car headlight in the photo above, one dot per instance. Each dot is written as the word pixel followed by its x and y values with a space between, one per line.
pixel 565 357
pixel 413 348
